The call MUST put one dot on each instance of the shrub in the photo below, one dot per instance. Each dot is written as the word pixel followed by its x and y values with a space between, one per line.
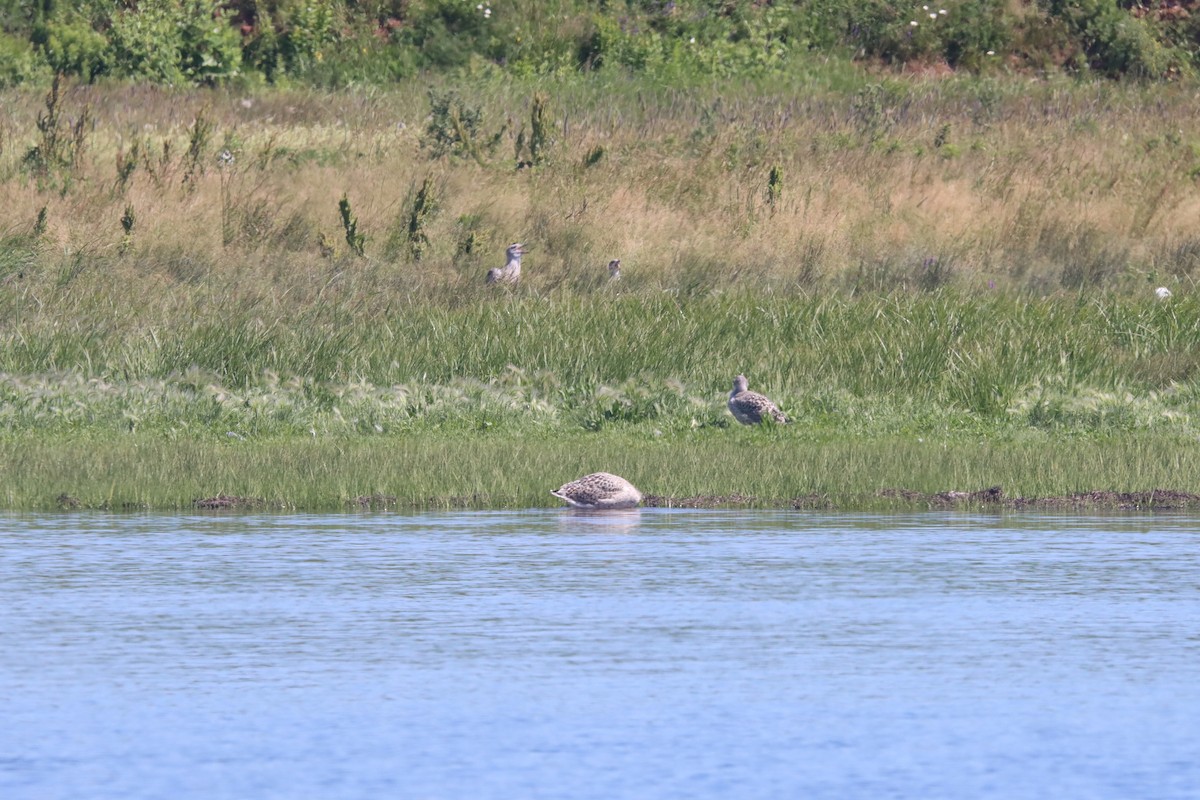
pixel 175 42
pixel 1114 41
pixel 455 128
pixel 71 46
pixel 211 49
pixel 310 28
pixel 146 43
pixel 447 33
pixel 18 61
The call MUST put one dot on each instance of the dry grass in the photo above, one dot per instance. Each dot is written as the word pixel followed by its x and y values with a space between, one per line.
pixel 1035 185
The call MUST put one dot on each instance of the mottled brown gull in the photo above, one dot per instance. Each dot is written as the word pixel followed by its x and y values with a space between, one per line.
pixel 751 408
pixel 600 490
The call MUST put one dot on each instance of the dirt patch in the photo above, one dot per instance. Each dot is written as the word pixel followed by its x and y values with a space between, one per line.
pixel 812 502
pixel 374 502
pixel 698 501
pixel 1153 500
pixel 807 502
pixel 224 502
pixel 992 497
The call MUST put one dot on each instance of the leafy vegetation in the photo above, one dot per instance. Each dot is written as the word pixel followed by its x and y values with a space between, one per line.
pixel 338 43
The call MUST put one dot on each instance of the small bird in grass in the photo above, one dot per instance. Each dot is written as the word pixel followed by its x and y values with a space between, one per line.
pixel 598 491
pixel 614 269
pixel 1162 293
pixel 510 272
pixel 751 408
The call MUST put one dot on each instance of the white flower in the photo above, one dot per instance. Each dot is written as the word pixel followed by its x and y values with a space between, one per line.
pixel 942 11
pixel 479 7
pixel 692 40
pixel 1162 293
pixel 991 52
pixel 924 8
pixel 932 15
pixel 487 13
pixel 913 23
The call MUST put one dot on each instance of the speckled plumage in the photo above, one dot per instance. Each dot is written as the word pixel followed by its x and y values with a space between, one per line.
pixel 510 272
pixel 599 490
pixel 751 408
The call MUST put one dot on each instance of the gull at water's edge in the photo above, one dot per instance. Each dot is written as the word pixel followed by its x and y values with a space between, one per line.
pixel 598 491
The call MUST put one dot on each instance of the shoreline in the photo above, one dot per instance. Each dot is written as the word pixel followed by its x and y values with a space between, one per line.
pixel 730 468
pixel 898 500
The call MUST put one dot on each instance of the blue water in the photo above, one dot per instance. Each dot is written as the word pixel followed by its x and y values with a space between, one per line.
pixel 651 654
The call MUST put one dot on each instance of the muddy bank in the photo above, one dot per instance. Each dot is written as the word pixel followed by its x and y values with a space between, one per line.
pixel 993 497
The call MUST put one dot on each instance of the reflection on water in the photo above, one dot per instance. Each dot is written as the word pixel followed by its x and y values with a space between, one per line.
pixel 575 521
pixel 647 653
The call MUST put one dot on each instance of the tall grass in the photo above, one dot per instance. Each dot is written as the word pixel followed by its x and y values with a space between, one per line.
pixel 976 352
pixel 879 186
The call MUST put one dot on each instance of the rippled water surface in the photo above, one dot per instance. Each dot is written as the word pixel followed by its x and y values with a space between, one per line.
pixel 551 654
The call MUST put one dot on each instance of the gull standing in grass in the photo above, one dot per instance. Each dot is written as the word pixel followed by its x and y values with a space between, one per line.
pixel 598 491
pixel 614 269
pixel 751 408
pixel 1162 293
pixel 510 272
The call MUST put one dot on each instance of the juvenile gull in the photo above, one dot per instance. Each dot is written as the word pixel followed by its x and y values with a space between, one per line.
pixel 510 272
pixel 599 490
pixel 614 269
pixel 751 408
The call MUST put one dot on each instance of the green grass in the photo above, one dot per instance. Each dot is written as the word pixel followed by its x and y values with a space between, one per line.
pixel 429 471
pixel 978 353
pixel 486 401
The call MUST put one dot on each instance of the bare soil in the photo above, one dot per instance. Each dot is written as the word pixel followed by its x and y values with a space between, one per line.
pixel 992 497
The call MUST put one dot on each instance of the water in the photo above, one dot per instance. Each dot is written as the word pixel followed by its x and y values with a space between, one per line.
pixel 546 654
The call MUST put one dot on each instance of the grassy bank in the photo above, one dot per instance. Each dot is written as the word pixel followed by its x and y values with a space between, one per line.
pixel 742 466
pixel 489 401
pixel 946 285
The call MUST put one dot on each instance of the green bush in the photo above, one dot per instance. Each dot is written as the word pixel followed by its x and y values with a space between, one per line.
pixel 175 42
pixel 973 29
pixel 18 61
pixel 71 46
pixel 310 28
pixel 146 43
pixel 341 42
pixel 447 33
pixel 1114 41
pixel 211 49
